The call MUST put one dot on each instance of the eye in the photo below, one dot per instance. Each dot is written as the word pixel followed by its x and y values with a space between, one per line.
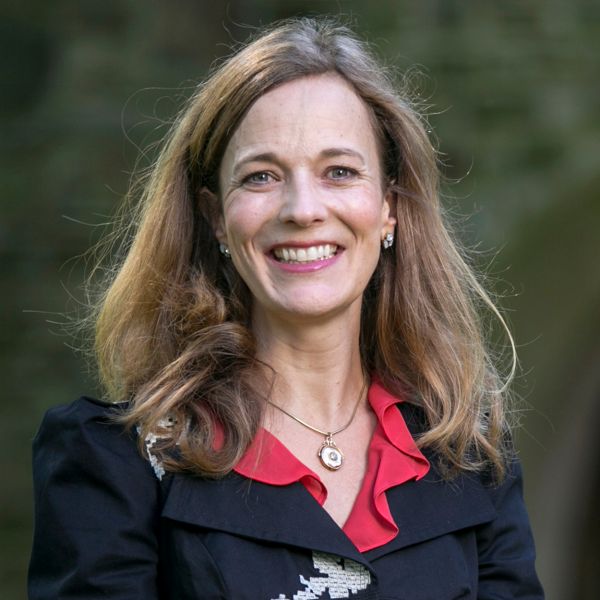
pixel 259 178
pixel 340 173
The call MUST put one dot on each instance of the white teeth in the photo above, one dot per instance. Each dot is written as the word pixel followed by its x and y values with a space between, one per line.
pixel 303 255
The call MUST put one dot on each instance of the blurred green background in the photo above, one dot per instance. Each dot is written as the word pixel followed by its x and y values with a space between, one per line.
pixel 514 93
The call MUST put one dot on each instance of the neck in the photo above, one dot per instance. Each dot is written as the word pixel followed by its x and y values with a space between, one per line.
pixel 317 365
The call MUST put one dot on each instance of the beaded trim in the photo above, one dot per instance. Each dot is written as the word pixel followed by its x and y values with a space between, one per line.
pixel 149 443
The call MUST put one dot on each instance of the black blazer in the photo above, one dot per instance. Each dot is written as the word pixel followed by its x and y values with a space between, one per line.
pixel 107 527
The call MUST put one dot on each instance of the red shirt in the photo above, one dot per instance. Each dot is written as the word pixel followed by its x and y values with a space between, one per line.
pixel 393 458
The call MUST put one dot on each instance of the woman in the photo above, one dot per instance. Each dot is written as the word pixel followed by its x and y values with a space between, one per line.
pixel 294 340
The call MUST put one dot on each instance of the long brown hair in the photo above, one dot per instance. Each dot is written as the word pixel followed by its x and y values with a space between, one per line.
pixel 172 328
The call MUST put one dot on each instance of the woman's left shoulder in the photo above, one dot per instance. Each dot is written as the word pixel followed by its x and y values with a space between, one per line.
pixel 494 509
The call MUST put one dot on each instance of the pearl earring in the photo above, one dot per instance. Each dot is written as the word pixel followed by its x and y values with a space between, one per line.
pixel 388 241
pixel 224 250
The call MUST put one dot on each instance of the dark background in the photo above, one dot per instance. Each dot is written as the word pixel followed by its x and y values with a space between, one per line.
pixel 513 93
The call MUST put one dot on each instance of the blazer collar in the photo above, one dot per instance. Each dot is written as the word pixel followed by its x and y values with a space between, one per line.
pixel 286 515
pixel 289 515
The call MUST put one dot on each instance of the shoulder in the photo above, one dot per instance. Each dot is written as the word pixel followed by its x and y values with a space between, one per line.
pixel 85 420
pixel 83 410
pixel 416 422
pixel 97 504
pixel 85 461
pixel 86 435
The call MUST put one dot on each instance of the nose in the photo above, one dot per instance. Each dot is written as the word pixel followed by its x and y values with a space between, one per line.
pixel 302 202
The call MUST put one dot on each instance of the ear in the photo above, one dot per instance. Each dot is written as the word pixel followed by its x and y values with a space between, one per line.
pixel 219 229
pixel 388 211
pixel 210 207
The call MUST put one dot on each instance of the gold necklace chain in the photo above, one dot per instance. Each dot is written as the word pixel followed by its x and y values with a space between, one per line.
pixel 329 454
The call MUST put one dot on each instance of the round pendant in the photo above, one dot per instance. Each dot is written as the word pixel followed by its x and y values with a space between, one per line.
pixel 330 455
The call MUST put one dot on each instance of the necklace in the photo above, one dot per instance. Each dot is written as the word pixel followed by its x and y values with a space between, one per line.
pixel 329 454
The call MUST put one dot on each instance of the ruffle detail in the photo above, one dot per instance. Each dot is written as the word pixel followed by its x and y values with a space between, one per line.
pixel 393 459
pixel 267 460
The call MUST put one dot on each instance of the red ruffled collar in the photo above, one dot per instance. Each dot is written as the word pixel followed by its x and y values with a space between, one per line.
pixel 393 459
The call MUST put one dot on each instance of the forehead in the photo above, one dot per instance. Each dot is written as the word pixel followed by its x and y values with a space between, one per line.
pixel 306 114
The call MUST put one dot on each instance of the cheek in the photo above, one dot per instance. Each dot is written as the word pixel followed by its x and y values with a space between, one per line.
pixel 368 216
pixel 243 220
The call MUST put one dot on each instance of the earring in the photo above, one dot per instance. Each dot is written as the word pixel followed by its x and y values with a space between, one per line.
pixel 388 241
pixel 224 250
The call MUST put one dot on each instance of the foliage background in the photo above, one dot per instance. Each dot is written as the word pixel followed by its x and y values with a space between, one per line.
pixel 513 89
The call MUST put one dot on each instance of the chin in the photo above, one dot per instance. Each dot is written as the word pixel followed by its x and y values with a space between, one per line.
pixel 310 310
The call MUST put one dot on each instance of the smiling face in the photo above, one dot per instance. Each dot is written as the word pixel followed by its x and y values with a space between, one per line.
pixel 304 204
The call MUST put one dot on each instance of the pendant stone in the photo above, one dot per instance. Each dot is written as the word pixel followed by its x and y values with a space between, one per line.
pixel 330 455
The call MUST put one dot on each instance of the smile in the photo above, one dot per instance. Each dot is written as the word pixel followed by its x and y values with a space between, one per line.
pixel 305 255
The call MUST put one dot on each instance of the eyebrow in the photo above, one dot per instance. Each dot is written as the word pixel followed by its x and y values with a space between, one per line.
pixel 272 157
pixel 333 152
pixel 261 157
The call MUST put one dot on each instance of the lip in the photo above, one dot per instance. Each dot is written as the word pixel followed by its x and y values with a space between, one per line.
pixel 307 267
pixel 291 244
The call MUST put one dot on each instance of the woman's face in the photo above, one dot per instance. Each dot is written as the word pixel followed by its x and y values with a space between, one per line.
pixel 304 205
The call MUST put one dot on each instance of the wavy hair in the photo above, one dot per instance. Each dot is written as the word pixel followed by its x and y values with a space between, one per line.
pixel 172 326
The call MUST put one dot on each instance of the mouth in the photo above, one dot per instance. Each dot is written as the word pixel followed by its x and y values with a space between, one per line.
pixel 305 255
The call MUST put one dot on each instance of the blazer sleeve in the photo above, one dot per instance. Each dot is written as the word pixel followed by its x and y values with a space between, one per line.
pixel 506 547
pixel 96 509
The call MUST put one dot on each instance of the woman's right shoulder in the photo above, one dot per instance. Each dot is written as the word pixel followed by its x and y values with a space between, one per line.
pixel 97 504
pixel 82 410
pixel 86 416
pixel 85 434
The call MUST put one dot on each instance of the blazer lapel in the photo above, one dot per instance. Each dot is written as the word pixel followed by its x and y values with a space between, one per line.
pixel 285 515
